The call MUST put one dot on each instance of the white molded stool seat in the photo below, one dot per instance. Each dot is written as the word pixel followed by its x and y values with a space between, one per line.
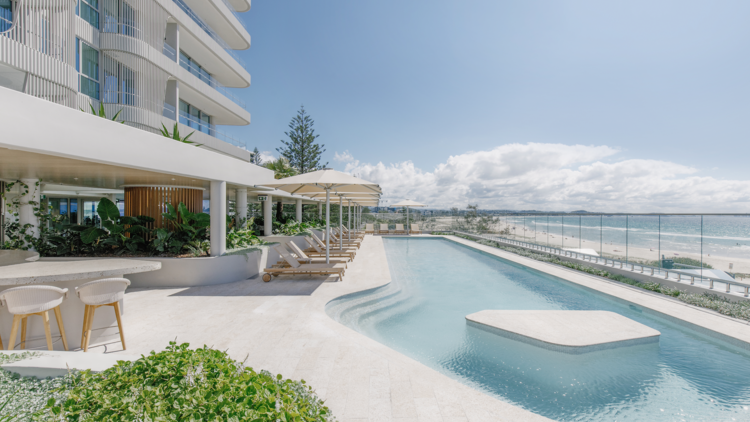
pixel 103 292
pixel 94 294
pixel 25 301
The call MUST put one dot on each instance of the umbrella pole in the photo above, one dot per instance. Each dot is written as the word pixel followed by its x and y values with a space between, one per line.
pixel 328 229
pixel 349 219
pixel 408 232
pixel 341 222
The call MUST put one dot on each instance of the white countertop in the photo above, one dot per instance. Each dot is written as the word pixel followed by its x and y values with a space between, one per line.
pixel 54 271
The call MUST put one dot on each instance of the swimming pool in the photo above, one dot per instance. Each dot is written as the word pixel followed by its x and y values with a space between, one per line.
pixel 436 283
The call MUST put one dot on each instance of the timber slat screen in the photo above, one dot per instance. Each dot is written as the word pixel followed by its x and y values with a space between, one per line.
pixel 152 201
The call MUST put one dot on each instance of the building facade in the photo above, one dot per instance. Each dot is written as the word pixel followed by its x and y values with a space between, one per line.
pixel 155 62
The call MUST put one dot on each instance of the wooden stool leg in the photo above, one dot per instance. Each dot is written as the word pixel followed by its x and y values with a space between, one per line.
pixel 14 332
pixel 92 310
pixel 24 321
pixel 61 327
pixel 47 332
pixel 85 323
pixel 119 324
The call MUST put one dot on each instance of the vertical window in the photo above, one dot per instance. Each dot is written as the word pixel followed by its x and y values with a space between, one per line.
pixel 111 16
pixel 6 15
pixel 88 66
pixel 193 117
pixel 118 83
pixel 193 67
pixel 88 10
pixel 127 18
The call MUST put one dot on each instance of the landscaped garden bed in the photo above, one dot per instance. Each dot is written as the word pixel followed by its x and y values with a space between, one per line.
pixel 177 384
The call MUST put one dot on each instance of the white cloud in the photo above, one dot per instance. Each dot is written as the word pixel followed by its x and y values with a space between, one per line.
pixel 344 157
pixel 267 156
pixel 557 177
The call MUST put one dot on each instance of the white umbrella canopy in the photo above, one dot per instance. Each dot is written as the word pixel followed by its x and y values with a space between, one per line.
pixel 408 203
pixel 325 181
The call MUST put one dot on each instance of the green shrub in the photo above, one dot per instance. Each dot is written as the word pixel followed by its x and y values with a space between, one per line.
pixel 180 384
pixel 22 397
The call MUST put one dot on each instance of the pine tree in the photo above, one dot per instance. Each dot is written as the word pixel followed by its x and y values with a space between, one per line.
pixel 255 159
pixel 301 150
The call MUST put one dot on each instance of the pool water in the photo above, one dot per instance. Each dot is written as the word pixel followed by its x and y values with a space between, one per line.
pixel 686 376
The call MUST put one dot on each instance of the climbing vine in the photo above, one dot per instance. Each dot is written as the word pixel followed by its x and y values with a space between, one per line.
pixel 22 236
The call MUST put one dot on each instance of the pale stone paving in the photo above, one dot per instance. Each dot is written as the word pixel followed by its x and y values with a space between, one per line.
pixel 282 327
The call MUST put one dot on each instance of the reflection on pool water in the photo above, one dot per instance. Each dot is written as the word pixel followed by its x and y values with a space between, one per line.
pixel 436 283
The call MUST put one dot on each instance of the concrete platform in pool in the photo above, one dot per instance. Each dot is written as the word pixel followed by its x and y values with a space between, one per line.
pixel 565 331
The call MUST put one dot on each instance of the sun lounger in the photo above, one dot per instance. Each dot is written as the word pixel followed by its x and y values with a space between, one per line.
pixel 399 229
pixel 295 268
pixel 415 229
pixel 334 245
pixel 334 248
pixel 312 258
pixel 383 229
pixel 354 242
pixel 315 248
pixel 369 229
pixel 357 234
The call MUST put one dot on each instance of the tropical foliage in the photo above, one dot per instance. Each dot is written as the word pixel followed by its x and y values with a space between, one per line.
pixel 175 135
pixel 101 113
pixel 281 168
pixel 183 384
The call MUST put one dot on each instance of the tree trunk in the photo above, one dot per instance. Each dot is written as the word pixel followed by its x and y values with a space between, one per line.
pixel 279 211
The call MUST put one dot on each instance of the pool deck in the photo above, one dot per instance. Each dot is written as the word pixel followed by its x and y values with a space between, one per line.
pixel 282 327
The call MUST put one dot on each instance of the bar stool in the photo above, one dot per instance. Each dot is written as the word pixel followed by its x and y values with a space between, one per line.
pixel 98 293
pixel 25 301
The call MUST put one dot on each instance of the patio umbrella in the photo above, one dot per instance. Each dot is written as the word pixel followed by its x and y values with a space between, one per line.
pixel 325 181
pixel 408 203
pixel 358 198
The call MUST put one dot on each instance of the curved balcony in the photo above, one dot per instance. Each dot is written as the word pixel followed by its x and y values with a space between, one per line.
pixel 222 20
pixel 228 108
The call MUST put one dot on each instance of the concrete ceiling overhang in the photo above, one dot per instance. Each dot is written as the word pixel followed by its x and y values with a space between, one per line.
pixel 45 140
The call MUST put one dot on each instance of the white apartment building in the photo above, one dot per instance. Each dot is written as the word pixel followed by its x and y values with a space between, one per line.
pixel 155 62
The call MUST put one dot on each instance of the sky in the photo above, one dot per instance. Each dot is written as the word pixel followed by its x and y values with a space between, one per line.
pixel 618 106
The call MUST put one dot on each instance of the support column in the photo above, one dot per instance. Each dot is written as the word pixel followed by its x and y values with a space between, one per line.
pixel 299 210
pixel 349 219
pixel 26 211
pixel 240 206
pixel 172 97
pixel 341 222
pixel 172 37
pixel 268 217
pixel 218 212
pixel 328 226
pixel 320 210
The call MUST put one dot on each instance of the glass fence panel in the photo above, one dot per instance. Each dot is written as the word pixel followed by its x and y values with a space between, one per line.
pixel 613 237
pixel 590 234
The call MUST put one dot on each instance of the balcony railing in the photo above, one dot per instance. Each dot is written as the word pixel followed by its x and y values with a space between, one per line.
pixel 209 129
pixel 185 8
pixel 234 12
pixel 41 41
pixel 169 51
pixel 207 78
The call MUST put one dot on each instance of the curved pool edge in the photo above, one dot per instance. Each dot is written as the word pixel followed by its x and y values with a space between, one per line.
pixel 435 395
